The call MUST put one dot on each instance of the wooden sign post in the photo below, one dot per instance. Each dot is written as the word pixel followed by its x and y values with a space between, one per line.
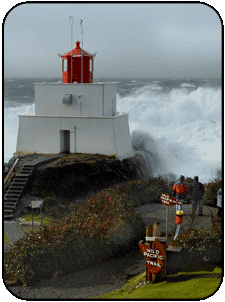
pixel 36 204
pixel 155 254
pixel 154 249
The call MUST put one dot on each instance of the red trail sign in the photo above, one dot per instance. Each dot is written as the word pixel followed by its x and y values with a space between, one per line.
pixel 155 255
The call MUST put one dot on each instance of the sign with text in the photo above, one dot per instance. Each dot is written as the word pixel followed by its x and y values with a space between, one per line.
pixel 36 204
pixel 155 255
pixel 169 201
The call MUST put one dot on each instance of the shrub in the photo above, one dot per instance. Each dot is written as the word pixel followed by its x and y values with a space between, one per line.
pixel 80 239
pixel 210 196
pixel 16 259
pixel 68 257
pixel 120 233
pixel 203 242
pixel 136 193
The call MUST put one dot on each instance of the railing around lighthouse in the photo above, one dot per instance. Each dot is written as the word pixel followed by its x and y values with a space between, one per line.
pixel 90 77
pixel 10 175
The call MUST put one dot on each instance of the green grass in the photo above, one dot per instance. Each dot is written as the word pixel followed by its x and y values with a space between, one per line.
pixel 6 239
pixel 183 285
pixel 27 218
pixel 88 158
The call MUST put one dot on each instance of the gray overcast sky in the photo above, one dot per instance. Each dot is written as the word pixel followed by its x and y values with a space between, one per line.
pixel 132 40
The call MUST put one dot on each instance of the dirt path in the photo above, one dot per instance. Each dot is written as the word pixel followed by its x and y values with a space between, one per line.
pixel 88 283
pixel 157 212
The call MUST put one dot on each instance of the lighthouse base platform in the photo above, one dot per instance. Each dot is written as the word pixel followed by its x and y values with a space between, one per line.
pixel 93 135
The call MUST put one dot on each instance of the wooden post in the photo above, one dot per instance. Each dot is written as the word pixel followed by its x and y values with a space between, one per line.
pixel 41 214
pixel 148 234
pixel 9 175
pixel 156 229
pixel 167 216
pixel 155 233
pixel 149 231
pixel 32 219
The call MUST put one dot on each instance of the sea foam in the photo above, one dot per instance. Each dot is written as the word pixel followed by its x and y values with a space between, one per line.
pixel 11 125
pixel 180 129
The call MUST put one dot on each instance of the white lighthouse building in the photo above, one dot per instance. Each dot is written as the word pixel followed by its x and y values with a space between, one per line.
pixel 75 115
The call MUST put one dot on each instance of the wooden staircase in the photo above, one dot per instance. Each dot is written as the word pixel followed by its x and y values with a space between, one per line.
pixel 15 190
pixel 16 186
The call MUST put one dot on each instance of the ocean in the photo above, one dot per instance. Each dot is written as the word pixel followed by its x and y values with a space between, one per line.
pixel 177 122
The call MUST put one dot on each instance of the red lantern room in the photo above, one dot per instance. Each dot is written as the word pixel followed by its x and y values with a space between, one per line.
pixel 81 67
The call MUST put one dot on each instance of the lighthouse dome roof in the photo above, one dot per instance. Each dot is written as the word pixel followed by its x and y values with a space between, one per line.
pixel 77 52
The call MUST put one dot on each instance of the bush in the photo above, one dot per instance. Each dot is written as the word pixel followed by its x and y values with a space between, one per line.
pixel 136 193
pixel 66 258
pixel 80 239
pixel 203 242
pixel 210 196
pixel 16 259
pixel 120 233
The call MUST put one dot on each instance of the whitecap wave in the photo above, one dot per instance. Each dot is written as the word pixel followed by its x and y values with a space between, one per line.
pixel 11 124
pixel 181 130
pixel 188 85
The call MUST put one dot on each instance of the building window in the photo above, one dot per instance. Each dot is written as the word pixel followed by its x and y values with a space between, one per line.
pixel 64 65
pixel 90 65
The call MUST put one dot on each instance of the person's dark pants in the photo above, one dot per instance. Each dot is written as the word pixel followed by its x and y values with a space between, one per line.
pixel 219 213
pixel 198 203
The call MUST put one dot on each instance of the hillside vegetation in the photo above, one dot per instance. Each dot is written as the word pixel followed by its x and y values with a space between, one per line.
pixel 103 224
pixel 100 227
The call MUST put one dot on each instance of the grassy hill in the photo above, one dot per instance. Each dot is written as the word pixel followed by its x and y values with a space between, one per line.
pixel 183 285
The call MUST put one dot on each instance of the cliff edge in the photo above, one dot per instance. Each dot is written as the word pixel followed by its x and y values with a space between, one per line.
pixel 74 175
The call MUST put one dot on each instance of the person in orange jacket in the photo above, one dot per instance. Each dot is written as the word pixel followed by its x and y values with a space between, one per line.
pixel 180 190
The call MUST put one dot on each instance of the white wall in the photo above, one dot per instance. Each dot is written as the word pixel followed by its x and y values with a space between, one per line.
pixel 122 136
pixel 109 100
pixel 94 100
pixel 108 136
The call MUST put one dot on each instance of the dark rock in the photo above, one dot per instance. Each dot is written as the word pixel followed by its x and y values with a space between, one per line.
pixel 74 177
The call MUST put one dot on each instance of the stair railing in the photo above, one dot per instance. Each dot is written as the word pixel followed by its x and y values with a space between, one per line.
pixel 10 175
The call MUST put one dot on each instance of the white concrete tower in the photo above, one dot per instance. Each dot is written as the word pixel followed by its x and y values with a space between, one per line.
pixel 75 117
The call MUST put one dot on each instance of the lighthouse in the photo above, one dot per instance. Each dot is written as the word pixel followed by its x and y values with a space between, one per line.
pixel 77 66
pixel 75 115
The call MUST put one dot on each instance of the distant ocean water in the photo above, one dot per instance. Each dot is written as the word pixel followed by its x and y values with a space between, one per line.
pixel 177 121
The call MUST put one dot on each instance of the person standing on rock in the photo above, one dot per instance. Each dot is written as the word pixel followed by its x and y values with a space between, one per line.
pixel 180 190
pixel 196 191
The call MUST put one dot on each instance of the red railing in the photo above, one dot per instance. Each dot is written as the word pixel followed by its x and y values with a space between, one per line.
pixel 90 77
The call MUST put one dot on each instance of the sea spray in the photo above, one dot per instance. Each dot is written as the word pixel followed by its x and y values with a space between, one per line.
pixel 179 121
pixel 179 130
pixel 146 150
pixel 11 124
